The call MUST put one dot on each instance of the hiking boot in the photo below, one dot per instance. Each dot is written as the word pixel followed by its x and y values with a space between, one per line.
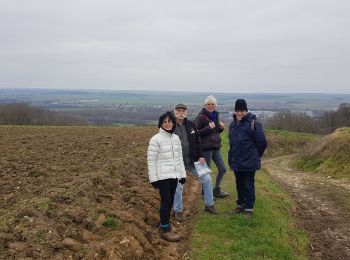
pixel 247 214
pixel 219 194
pixel 178 216
pixel 170 236
pixel 238 210
pixel 211 210
pixel 171 228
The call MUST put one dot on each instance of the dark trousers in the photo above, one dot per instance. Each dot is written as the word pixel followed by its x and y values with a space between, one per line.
pixel 245 189
pixel 167 190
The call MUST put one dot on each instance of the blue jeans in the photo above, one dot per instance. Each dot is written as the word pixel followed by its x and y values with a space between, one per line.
pixel 207 187
pixel 245 189
pixel 219 162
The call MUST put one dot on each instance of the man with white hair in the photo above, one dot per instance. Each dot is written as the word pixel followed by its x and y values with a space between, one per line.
pixel 209 128
pixel 191 153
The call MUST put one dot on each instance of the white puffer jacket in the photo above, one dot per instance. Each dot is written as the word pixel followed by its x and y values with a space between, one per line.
pixel 164 157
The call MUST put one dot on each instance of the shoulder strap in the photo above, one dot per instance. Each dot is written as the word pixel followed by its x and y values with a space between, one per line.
pixel 252 125
pixel 206 117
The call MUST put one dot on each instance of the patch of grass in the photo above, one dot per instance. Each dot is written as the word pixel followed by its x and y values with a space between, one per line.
pixel 83 250
pixel 270 234
pixel 308 163
pixel 40 235
pixel 3 220
pixel 35 174
pixel 329 155
pixel 282 142
pixel 44 205
pixel 111 222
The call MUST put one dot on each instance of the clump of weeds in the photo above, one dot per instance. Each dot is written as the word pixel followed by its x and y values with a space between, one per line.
pixel 111 222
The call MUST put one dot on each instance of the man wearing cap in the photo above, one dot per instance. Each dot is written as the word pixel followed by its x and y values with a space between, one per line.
pixel 247 145
pixel 191 153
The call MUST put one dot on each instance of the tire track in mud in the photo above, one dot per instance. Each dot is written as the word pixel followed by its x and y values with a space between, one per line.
pixel 320 207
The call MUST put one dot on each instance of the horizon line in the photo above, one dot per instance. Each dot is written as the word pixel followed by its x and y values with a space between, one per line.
pixel 173 91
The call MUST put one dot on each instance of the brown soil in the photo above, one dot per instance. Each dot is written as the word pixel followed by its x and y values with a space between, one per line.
pixel 80 192
pixel 322 207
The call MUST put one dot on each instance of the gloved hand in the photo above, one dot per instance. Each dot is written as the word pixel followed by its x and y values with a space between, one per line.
pixel 182 181
pixel 155 184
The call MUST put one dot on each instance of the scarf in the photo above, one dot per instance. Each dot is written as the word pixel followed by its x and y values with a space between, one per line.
pixel 213 116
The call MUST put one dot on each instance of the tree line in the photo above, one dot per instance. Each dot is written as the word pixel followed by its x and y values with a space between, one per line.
pixel 300 122
pixel 23 114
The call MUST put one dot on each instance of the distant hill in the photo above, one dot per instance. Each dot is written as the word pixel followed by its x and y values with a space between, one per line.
pixel 61 99
pixel 329 155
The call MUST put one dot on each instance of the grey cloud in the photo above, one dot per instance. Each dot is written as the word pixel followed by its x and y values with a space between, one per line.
pixel 246 46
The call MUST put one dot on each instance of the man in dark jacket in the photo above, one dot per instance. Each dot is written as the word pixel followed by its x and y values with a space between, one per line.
pixel 191 153
pixel 209 128
pixel 247 145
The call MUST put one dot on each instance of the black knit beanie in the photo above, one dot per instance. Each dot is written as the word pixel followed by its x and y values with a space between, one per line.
pixel 241 105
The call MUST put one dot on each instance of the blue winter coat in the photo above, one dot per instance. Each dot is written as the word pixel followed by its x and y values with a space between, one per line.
pixel 247 144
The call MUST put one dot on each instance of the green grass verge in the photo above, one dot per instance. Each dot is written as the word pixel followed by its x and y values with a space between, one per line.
pixel 270 234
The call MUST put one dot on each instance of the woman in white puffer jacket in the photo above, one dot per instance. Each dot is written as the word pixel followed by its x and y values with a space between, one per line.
pixel 165 168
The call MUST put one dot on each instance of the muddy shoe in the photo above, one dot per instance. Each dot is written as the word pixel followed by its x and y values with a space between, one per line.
pixel 247 214
pixel 211 210
pixel 238 210
pixel 179 216
pixel 219 194
pixel 170 236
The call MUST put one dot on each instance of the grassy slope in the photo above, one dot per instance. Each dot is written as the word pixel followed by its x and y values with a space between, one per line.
pixel 271 234
pixel 285 142
pixel 329 155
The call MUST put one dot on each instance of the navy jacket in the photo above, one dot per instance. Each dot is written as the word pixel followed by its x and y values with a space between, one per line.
pixel 247 145
pixel 209 138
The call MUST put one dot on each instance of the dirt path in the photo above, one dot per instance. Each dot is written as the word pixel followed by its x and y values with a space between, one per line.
pixel 322 208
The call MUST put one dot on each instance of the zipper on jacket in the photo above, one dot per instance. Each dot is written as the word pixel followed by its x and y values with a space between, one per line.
pixel 172 148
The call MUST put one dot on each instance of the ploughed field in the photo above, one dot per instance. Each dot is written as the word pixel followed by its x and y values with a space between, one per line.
pixel 78 192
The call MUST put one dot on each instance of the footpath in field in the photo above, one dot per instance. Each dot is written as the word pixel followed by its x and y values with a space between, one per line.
pixel 322 208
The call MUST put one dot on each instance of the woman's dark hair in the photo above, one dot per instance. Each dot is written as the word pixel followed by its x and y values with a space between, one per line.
pixel 166 115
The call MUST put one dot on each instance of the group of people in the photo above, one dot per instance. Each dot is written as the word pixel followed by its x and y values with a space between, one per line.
pixel 182 143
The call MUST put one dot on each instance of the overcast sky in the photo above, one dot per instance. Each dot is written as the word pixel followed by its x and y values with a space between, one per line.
pixel 219 46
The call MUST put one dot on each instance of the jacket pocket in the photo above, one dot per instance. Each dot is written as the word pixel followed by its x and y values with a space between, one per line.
pixel 215 139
